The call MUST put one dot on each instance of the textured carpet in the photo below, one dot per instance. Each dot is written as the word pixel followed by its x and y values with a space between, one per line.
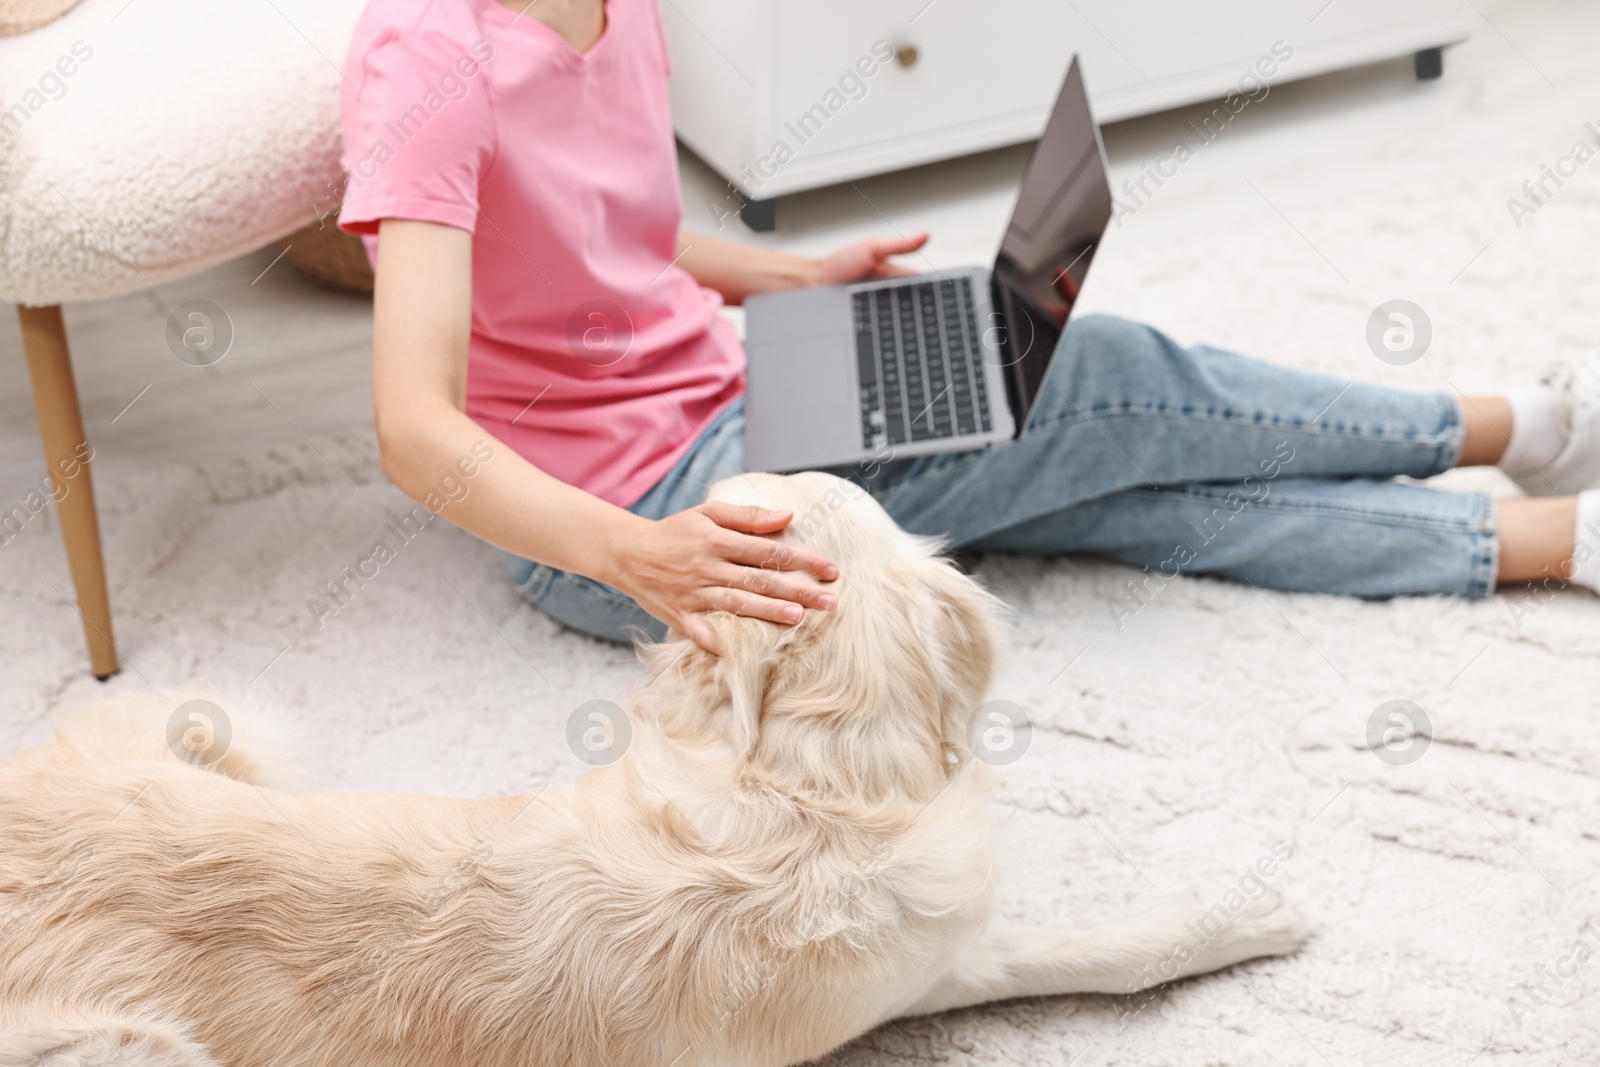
pixel 1169 753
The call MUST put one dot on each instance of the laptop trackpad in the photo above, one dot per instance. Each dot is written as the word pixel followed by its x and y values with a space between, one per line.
pixel 801 410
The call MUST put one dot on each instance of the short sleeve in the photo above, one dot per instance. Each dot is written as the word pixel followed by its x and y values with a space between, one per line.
pixel 418 132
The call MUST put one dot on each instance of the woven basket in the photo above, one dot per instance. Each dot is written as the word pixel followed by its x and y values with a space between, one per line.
pixel 329 256
pixel 20 16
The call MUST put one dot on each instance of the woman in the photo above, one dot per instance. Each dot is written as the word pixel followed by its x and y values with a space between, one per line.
pixel 514 172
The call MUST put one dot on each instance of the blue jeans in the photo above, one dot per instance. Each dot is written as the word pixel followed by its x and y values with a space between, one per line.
pixel 1173 460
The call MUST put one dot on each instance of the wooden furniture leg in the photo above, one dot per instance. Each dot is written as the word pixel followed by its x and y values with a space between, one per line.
pixel 66 455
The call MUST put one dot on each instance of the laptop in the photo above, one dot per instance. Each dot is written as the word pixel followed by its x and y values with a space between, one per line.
pixel 941 362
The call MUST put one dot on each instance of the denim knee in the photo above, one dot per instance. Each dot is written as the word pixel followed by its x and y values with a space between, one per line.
pixel 1105 362
pixel 582 604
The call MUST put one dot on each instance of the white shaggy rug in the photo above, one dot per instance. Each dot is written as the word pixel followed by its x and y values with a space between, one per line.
pixel 1452 894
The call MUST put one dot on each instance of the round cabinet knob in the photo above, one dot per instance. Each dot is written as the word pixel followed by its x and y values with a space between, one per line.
pixel 906 55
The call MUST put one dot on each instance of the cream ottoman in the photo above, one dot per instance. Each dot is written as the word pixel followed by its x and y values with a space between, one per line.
pixel 140 141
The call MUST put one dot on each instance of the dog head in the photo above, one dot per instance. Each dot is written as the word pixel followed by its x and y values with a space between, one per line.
pixel 868 699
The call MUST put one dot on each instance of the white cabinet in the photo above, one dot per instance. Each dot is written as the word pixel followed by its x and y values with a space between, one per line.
pixel 784 95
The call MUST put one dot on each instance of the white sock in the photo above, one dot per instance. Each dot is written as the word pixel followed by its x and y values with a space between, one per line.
pixel 1586 542
pixel 1538 430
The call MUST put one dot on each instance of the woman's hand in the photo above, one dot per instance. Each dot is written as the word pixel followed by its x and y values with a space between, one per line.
pixel 867 260
pixel 740 270
pixel 712 558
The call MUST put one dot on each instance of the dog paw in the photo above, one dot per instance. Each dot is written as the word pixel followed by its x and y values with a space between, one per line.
pixel 1270 926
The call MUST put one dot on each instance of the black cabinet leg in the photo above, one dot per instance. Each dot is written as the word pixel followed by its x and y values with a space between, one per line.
pixel 760 215
pixel 1430 63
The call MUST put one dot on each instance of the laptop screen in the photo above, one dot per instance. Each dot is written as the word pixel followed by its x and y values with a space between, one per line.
pixel 1062 212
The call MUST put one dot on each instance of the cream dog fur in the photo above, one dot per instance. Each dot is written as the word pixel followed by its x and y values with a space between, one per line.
pixel 793 850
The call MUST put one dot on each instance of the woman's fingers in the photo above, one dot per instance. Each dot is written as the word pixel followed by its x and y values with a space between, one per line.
pixel 753 606
pixel 868 259
pixel 736 566
pixel 696 629
pixel 884 247
pixel 895 270
pixel 735 601
pixel 775 555
pixel 776 585
pixel 723 557
pixel 745 518
pixel 756 551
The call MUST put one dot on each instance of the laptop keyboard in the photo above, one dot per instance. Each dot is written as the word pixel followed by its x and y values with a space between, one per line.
pixel 920 363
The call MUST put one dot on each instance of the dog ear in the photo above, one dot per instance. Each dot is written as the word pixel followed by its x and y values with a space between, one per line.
pixel 745 664
pixel 968 630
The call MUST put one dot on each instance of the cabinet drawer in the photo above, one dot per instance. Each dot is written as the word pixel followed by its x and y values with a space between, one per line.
pixel 975 64
pixel 775 94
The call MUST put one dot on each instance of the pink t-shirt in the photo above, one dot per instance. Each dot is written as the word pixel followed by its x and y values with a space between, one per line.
pixel 593 354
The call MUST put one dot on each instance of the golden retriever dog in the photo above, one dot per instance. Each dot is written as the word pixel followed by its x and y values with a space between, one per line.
pixel 793 849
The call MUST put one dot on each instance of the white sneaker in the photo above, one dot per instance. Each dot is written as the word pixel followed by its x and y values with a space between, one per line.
pixel 1577 468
